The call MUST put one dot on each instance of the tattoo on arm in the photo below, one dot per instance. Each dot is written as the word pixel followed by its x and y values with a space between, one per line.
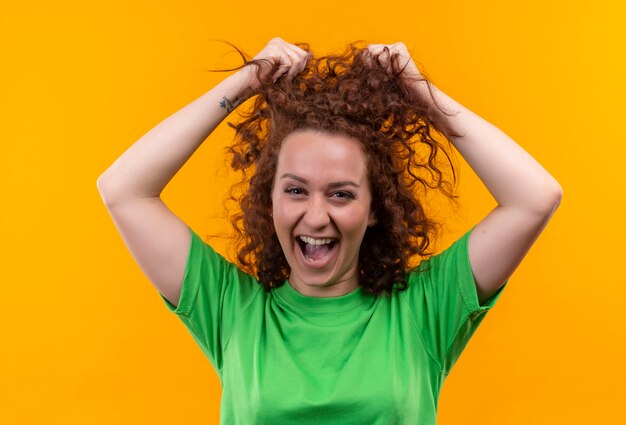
pixel 226 103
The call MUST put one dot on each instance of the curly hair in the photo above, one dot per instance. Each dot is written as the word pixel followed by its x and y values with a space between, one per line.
pixel 341 94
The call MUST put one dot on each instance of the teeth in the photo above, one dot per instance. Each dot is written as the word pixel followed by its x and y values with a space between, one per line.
pixel 312 241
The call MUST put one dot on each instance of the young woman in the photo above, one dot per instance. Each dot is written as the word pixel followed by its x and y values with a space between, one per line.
pixel 326 319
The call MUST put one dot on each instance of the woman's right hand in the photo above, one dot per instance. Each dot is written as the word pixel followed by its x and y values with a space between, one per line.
pixel 291 59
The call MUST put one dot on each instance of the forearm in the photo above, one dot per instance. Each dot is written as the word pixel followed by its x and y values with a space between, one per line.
pixel 512 176
pixel 150 163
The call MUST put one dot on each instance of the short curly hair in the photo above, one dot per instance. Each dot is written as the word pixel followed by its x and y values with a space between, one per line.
pixel 341 94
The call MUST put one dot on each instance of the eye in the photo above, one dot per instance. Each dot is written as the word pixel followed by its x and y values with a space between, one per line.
pixel 294 190
pixel 343 194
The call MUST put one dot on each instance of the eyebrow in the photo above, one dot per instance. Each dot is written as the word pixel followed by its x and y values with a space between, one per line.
pixel 332 185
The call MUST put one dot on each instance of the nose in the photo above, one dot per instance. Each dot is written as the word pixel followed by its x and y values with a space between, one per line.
pixel 317 215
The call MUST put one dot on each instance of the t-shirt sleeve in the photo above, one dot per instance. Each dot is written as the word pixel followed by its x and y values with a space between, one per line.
pixel 442 294
pixel 214 293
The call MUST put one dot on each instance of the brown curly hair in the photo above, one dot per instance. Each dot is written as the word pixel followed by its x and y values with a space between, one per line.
pixel 341 94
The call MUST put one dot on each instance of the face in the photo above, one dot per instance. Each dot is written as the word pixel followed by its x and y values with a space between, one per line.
pixel 321 207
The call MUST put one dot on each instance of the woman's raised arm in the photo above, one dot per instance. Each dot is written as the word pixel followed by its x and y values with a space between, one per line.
pixel 130 188
pixel 147 166
pixel 526 193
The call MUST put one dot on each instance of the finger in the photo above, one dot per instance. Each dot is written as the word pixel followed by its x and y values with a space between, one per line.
pixel 370 59
pixel 296 50
pixel 382 57
pixel 304 62
pixel 299 59
pixel 372 52
pixel 395 60
pixel 285 64
pixel 282 69
pixel 294 65
pixel 306 58
pixel 300 62
pixel 380 54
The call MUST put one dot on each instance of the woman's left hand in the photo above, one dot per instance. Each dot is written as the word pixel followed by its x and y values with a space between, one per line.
pixel 383 52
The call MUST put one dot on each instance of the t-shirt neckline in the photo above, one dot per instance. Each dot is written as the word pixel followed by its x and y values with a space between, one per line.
pixel 341 303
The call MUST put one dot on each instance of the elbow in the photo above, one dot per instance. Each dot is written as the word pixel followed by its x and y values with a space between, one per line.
pixel 102 189
pixel 556 194
pixel 99 183
pixel 544 200
pixel 552 194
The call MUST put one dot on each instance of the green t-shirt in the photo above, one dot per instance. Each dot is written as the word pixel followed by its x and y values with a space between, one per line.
pixel 286 358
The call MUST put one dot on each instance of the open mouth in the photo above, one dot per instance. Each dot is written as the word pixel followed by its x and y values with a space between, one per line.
pixel 316 250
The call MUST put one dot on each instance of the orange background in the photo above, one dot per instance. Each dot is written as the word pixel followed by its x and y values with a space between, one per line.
pixel 85 337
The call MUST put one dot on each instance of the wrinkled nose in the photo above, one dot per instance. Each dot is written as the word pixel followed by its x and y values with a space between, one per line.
pixel 317 215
